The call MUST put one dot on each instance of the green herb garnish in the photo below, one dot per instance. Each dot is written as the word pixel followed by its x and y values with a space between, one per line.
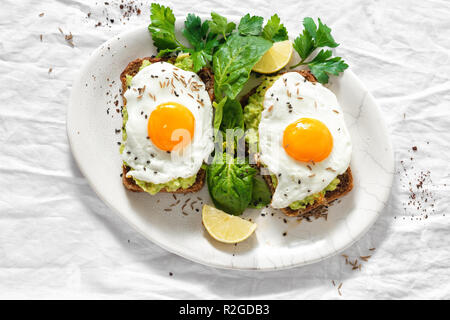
pixel 250 25
pixel 162 28
pixel 203 40
pixel 314 37
pixel 220 25
pixel 274 30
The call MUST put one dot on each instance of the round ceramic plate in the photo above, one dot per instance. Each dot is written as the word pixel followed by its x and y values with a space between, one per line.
pixel 279 242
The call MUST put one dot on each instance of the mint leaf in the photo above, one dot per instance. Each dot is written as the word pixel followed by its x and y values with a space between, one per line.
pixel 304 44
pixel 233 62
pixel 162 27
pixel 274 30
pixel 250 25
pixel 220 25
pixel 322 65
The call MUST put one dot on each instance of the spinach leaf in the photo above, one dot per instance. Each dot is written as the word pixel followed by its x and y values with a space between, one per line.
pixel 261 195
pixel 230 178
pixel 230 184
pixel 233 62
pixel 232 115
pixel 218 113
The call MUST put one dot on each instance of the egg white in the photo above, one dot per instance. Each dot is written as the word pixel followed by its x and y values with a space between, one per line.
pixel 148 162
pixel 296 179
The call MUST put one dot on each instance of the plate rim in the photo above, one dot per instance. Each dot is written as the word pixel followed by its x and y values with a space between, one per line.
pixel 77 154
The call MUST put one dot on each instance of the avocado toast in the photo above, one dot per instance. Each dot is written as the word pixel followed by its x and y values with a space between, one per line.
pixel 179 185
pixel 311 206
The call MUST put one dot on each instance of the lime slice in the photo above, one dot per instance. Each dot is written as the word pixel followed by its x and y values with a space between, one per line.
pixel 224 227
pixel 275 59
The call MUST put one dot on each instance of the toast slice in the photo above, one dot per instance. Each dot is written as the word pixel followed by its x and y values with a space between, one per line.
pixel 316 209
pixel 132 69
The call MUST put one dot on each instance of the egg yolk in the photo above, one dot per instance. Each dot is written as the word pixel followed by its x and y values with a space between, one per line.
pixel 307 139
pixel 171 126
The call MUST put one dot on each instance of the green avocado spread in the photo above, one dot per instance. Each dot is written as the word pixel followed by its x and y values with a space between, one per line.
pixel 252 117
pixel 254 108
pixel 183 61
pixel 309 200
pixel 170 186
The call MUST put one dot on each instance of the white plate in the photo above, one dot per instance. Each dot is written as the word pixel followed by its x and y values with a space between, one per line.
pixel 94 146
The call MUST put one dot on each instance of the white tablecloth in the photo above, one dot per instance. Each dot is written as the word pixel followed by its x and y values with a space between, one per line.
pixel 58 239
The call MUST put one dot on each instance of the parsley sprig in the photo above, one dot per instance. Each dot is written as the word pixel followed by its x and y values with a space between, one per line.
pixel 312 38
pixel 203 36
pixel 274 30
pixel 220 25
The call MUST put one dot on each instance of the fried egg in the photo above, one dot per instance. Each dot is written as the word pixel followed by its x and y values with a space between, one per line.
pixel 303 139
pixel 169 127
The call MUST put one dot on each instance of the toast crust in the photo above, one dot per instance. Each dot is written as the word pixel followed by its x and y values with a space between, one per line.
pixel 314 210
pixel 345 186
pixel 132 69
pixel 131 185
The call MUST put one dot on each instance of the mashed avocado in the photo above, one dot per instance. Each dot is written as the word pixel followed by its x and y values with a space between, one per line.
pixel 170 186
pixel 128 81
pixel 254 108
pixel 144 64
pixel 302 204
pixel 252 117
pixel 184 62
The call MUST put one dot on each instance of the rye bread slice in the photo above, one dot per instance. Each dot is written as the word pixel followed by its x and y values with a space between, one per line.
pixel 346 179
pixel 132 69
pixel 345 186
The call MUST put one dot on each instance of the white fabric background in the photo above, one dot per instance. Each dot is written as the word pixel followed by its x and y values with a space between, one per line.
pixel 58 240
